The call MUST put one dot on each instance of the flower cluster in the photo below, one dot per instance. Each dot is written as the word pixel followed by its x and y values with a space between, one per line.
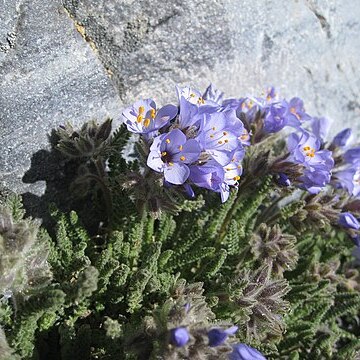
pixel 180 336
pixel 276 112
pixel 202 143
pixel 348 175
pixel 305 149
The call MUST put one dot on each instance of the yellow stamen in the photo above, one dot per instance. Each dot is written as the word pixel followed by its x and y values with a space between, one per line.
pixel 236 178
pixel 180 147
pixel 239 166
pixel 211 136
pixel 220 142
pixel 182 158
pixel 307 148
pixel 168 141
pixel 227 169
pixel 164 153
pixel 226 140
pixel 192 95
pixel 171 164
pixel 293 111
pixel 147 122
pixel 152 113
pixel 243 106
pixel 139 118
pixel 141 110
pixel 225 133
pixel 214 128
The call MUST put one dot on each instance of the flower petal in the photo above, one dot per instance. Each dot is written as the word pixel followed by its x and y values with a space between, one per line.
pixel 154 161
pixel 177 173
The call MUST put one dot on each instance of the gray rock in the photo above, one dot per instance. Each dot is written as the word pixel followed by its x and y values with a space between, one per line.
pixel 305 48
pixel 77 60
pixel 48 75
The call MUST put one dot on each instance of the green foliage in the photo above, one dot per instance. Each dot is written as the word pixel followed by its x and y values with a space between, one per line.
pixel 276 266
pixel 23 255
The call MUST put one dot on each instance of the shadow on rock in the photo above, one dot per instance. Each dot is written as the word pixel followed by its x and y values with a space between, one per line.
pixel 59 173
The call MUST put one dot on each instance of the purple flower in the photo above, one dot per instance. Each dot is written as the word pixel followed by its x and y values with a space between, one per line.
pixel 276 117
pixel 320 127
pixel 190 94
pixel 219 135
pixel 213 176
pixel 348 179
pixel 143 118
pixel 283 180
pixel 193 105
pixel 245 352
pixel 234 169
pixel 252 105
pixel 218 336
pixel 352 156
pixel 189 114
pixel 213 94
pixel 314 180
pixel 296 112
pixel 342 138
pixel 349 221
pixel 271 94
pixel 171 153
pixel 209 175
pixel 305 150
pixel 179 336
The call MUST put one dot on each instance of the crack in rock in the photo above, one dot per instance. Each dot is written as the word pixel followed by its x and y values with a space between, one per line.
pixel 325 26
pixel 10 42
pixel 11 35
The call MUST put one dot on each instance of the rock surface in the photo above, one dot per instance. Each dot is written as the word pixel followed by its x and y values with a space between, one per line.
pixel 48 75
pixel 83 59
